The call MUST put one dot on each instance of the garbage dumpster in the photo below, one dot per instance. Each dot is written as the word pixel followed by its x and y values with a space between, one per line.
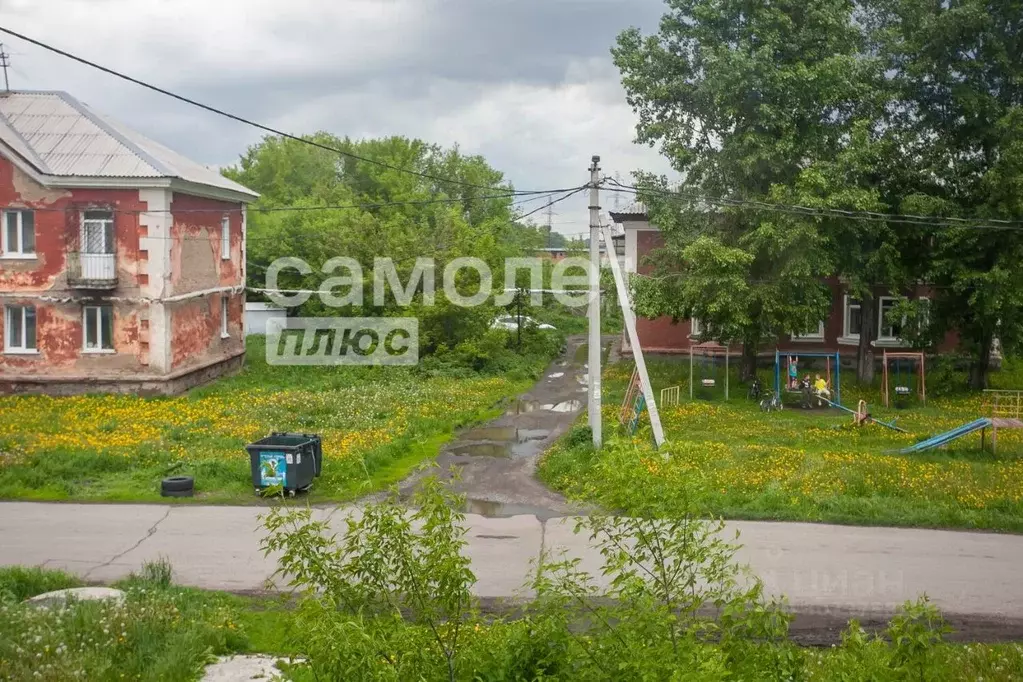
pixel 316 447
pixel 284 460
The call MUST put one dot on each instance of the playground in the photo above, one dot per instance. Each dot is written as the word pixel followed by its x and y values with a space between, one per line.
pixel 955 461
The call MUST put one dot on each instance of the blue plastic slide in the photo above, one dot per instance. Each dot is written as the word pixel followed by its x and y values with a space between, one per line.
pixel 948 436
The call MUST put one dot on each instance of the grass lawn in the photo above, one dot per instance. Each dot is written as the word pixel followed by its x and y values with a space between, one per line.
pixel 159 632
pixel 730 459
pixel 377 423
pixel 162 632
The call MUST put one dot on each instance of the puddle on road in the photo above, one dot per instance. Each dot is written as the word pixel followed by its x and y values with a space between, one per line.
pixel 501 510
pixel 490 433
pixel 523 407
pixel 556 375
pixel 482 450
pixel 567 406
pixel 528 406
pixel 498 441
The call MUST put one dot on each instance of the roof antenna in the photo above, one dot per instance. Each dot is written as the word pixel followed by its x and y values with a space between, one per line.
pixel 5 61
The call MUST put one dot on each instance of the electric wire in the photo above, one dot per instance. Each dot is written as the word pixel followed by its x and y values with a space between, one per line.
pixel 246 121
pixel 894 218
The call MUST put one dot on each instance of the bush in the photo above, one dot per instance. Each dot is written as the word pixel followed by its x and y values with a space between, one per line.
pixel 384 601
pixel 157 574
pixel 497 352
pixel 579 436
pixel 157 633
pixel 19 583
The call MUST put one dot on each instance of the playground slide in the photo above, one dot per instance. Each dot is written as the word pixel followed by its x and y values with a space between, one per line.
pixel 948 436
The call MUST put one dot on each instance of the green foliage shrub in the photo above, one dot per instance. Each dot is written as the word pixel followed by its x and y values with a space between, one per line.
pixel 158 632
pixel 18 583
pixel 390 597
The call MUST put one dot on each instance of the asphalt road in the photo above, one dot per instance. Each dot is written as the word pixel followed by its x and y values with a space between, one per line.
pixel 828 573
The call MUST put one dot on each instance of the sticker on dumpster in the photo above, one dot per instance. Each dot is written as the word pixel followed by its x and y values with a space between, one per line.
pixel 272 469
pixel 290 459
pixel 298 458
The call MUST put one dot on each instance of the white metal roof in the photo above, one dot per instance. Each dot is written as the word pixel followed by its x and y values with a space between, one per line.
pixel 63 137
pixel 633 209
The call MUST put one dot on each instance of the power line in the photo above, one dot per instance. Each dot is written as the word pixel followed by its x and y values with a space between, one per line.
pixel 556 201
pixel 249 122
pixel 920 220
pixel 5 62
pixel 782 280
pixel 282 209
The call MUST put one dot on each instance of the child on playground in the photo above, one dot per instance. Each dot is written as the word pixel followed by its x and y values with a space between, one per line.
pixel 806 387
pixel 820 387
pixel 794 373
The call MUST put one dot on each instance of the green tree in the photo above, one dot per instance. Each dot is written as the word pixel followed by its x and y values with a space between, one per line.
pixel 451 206
pixel 742 97
pixel 866 174
pixel 957 71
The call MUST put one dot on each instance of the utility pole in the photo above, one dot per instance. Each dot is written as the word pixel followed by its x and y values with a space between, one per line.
pixel 5 61
pixel 518 303
pixel 593 371
pixel 550 221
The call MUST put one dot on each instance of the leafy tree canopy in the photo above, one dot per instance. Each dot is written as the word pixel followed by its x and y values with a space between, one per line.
pixel 742 97
pixel 460 208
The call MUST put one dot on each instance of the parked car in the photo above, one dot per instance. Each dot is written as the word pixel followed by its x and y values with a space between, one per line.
pixel 511 323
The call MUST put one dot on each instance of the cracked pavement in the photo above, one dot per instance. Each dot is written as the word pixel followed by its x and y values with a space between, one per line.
pixel 828 573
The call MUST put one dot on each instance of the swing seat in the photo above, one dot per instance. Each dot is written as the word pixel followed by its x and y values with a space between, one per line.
pixel 902 390
pixel 708 383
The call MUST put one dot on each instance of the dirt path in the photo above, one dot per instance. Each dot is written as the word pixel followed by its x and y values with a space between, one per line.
pixel 497 461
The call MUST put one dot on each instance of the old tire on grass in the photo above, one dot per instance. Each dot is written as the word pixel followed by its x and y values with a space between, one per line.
pixel 177 486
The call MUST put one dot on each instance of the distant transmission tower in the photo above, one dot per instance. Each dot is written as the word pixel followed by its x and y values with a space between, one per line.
pixel 5 61
pixel 550 221
pixel 618 195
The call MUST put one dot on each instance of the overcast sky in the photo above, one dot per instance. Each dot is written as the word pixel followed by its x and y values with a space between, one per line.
pixel 529 84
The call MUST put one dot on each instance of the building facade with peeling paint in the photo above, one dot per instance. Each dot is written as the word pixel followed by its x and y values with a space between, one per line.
pixel 122 263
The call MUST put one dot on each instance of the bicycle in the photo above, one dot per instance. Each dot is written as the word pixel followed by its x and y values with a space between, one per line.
pixel 755 390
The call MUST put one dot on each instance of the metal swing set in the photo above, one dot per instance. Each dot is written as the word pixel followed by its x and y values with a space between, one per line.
pixel 790 355
pixel 901 389
pixel 708 354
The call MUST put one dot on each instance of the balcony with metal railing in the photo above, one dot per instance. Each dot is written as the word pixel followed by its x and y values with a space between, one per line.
pixel 91 270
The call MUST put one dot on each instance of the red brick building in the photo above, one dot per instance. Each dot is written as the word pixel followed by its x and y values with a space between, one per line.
pixel 122 263
pixel 839 332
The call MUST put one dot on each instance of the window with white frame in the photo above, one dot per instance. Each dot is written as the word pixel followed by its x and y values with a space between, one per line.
pixel 20 329
pixel 888 329
pixel 816 335
pixel 98 328
pixel 851 318
pixel 925 312
pixel 18 239
pixel 225 237
pixel 97 232
pixel 223 317
pixel 695 327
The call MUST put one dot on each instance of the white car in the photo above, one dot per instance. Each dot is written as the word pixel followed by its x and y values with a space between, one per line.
pixel 512 323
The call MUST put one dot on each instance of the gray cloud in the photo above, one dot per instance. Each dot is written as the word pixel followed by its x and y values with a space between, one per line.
pixel 527 83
